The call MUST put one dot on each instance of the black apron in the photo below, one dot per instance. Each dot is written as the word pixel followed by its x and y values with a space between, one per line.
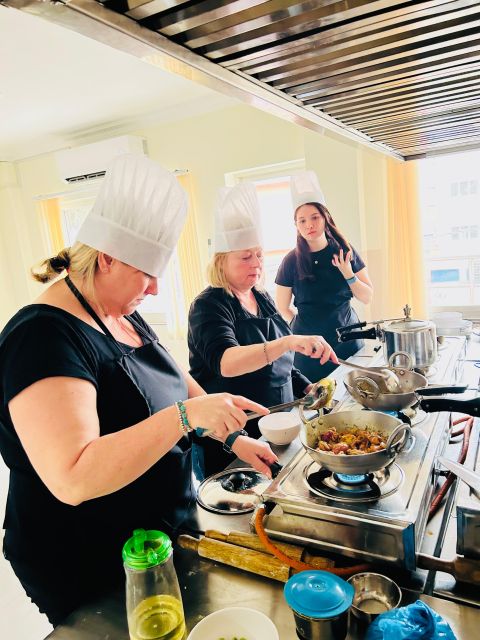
pixel 323 305
pixel 141 381
pixel 159 383
pixel 270 385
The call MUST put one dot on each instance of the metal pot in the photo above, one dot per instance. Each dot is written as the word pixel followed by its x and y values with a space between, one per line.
pixel 398 435
pixel 418 338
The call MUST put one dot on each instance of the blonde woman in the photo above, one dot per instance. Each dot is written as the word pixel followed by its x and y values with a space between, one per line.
pixel 237 339
pixel 95 415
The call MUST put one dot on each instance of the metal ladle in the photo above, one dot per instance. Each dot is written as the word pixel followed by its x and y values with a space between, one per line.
pixel 385 379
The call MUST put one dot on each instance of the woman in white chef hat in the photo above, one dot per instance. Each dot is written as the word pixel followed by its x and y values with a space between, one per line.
pixel 322 275
pixel 95 415
pixel 238 342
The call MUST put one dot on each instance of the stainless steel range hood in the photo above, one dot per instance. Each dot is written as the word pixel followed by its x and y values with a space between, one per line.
pixel 402 77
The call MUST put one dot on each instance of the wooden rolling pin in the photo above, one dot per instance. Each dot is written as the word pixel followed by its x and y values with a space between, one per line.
pixel 462 569
pixel 257 562
pixel 251 541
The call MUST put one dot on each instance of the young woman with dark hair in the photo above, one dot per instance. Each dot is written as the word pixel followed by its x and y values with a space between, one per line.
pixel 321 276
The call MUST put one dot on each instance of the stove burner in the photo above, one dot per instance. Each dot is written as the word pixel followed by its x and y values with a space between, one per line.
pixel 353 488
pixel 349 479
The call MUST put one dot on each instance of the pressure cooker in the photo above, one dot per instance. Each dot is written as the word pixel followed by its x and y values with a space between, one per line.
pixel 417 338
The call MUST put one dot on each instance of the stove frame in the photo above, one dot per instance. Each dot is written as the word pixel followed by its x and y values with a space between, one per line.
pixel 389 530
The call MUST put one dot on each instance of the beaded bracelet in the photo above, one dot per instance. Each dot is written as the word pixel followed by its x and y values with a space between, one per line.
pixel 182 416
pixel 266 354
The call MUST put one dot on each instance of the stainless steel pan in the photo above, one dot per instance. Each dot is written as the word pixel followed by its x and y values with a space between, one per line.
pixel 398 434
pixel 413 386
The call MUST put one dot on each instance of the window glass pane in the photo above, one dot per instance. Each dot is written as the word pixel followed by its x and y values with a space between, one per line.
pixel 450 206
pixel 278 228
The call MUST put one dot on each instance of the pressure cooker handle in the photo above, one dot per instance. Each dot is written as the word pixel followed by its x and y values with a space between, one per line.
pixel 349 327
pixel 368 334
pixel 470 407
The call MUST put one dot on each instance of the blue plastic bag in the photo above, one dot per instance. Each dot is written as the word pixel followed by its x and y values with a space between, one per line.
pixel 417 621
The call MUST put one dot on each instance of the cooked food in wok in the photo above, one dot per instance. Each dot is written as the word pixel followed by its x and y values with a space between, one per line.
pixel 352 441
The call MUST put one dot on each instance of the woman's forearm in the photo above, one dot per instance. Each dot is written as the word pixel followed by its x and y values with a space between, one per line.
pixel 113 461
pixel 362 291
pixel 287 314
pixel 236 361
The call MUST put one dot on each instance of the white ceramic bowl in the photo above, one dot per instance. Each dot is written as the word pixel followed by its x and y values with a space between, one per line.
pixel 280 428
pixel 240 622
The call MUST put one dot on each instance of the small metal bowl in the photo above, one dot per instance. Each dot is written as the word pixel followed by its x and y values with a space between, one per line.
pixel 374 594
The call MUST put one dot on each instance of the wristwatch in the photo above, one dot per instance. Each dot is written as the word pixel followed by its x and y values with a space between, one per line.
pixel 230 439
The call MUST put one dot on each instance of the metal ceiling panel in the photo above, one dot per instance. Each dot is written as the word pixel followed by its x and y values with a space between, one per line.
pixel 404 76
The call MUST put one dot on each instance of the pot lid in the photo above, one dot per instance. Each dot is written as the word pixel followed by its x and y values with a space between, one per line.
pixel 318 594
pixel 409 325
pixel 232 491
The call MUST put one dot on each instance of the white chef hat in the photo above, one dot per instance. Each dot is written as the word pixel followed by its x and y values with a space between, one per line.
pixel 138 214
pixel 306 188
pixel 237 218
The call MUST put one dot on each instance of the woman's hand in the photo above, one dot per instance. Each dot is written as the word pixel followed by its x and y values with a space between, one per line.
pixel 313 346
pixel 255 453
pixel 220 413
pixel 344 264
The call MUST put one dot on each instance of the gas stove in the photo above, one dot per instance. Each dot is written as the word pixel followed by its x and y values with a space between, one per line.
pixel 380 517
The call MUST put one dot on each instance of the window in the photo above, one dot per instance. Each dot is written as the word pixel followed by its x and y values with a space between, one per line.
pixel 279 234
pixel 450 206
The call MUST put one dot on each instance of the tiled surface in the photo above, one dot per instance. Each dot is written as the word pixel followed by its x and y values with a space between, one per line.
pixel 19 618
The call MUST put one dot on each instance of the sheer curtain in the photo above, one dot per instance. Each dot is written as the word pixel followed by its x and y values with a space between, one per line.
pixel 184 271
pixel 52 216
pixel 406 277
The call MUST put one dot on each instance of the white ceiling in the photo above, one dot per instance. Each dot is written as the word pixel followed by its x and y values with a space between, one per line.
pixel 59 88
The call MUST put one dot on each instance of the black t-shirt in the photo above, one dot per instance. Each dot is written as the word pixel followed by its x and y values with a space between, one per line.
pixel 82 544
pixel 212 329
pixel 323 300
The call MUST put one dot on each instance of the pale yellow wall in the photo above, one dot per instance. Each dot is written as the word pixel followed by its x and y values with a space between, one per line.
pixel 210 146
pixel 214 144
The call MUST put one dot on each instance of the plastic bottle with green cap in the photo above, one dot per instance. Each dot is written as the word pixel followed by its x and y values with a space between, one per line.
pixel 154 602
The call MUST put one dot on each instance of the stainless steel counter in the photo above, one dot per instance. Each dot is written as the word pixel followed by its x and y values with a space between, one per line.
pixel 207 586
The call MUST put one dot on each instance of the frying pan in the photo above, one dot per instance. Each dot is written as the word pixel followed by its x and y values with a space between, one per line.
pixel 397 432
pixel 412 385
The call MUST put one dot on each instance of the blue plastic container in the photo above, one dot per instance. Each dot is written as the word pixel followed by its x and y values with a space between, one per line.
pixel 320 602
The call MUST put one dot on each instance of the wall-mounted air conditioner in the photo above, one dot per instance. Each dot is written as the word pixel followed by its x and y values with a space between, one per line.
pixel 91 160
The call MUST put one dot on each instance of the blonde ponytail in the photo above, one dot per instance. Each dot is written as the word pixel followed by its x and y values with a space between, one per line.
pixel 80 260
